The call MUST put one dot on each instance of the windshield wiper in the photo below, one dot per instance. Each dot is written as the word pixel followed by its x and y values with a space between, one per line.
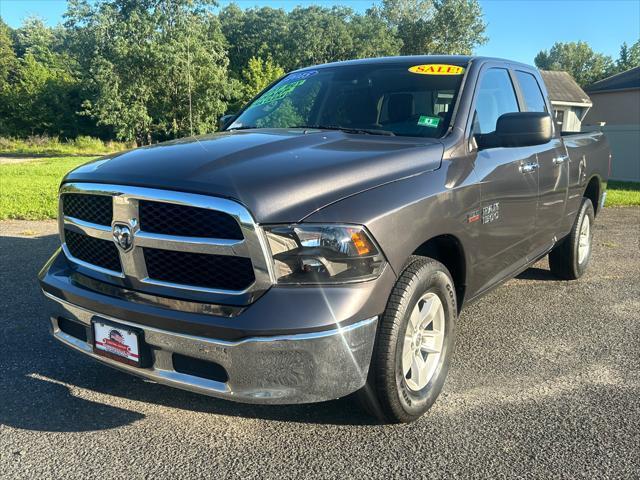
pixel 368 131
pixel 244 127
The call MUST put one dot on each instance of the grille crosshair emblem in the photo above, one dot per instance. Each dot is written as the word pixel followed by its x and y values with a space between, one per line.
pixel 123 236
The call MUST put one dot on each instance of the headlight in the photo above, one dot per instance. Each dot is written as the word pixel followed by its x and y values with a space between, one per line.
pixel 312 253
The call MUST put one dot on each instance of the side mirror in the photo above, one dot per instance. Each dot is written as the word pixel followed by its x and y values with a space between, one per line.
pixel 226 120
pixel 523 129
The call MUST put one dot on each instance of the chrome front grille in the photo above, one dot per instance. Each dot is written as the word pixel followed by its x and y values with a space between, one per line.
pixel 90 208
pixel 180 242
pixel 198 269
pixel 182 220
pixel 94 251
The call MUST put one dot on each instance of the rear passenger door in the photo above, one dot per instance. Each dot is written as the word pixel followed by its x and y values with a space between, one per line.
pixel 508 183
pixel 553 164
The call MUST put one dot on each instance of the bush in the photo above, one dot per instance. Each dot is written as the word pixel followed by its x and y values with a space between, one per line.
pixel 45 145
pixel 85 144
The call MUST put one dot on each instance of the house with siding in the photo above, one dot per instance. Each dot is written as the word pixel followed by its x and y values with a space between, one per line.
pixel 570 102
pixel 616 111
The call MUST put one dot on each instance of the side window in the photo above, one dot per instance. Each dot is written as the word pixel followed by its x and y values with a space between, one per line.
pixel 495 97
pixel 531 91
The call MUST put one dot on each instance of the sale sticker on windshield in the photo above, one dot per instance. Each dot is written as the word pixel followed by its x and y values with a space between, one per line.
pixel 300 75
pixel 277 93
pixel 437 69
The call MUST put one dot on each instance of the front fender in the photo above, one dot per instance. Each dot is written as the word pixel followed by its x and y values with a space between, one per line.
pixel 402 215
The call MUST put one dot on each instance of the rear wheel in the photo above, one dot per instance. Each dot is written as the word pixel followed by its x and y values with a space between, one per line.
pixel 414 344
pixel 570 258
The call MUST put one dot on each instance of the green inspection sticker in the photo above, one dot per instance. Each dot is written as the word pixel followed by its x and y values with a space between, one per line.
pixel 425 121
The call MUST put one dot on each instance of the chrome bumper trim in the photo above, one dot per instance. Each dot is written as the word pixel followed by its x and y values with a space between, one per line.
pixel 281 369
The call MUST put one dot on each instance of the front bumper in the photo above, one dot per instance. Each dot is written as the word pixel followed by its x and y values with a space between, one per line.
pixel 293 345
pixel 303 368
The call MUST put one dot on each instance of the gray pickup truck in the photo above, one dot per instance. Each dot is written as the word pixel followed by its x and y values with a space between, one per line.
pixel 324 242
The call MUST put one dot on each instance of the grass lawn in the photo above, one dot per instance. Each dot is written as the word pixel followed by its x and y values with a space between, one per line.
pixel 28 188
pixel 623 194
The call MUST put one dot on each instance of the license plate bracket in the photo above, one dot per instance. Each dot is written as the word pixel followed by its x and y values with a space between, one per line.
pixel 118 342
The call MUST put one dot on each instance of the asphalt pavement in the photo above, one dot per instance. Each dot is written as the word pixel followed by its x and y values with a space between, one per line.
pixel 545 383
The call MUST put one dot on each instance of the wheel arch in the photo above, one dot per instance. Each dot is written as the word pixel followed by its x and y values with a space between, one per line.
pixel 592 192
pixel 448 250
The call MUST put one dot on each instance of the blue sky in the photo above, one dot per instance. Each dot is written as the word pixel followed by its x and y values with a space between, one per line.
pixel 517 29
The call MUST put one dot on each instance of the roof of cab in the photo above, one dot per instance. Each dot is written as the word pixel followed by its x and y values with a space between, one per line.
pixel 416 60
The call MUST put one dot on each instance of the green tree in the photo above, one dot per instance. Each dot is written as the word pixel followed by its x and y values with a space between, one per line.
pixel 397 12
pixel 255 32
pixel 150 70
pixel 457 27
pixel 8 67
pixel 629 57
pixel 26 95
pixel 577 58
pixel 435 26
pixel 372 36
pixel 192 89
pixel 156 69
pixel 43 100
pixel 39 95
pixel 258 74
pixel 36 38
pixel 8 59
pixel 318 35
pixel 304 36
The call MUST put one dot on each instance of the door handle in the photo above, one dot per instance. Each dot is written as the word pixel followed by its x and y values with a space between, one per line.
pixel 560 160
pixel 528 167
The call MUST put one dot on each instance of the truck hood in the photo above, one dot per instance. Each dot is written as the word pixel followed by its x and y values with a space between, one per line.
pixel 279 175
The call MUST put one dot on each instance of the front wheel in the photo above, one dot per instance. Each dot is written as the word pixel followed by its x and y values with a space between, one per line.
pixel 414 344
pixel 570 258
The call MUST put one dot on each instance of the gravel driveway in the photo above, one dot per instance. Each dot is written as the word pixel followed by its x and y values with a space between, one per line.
pixel 545 383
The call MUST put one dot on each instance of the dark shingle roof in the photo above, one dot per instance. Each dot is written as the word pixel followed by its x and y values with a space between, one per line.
pixel 620 81
pixel 563 88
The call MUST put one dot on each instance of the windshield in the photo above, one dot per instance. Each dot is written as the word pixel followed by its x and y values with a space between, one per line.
pixel 403 100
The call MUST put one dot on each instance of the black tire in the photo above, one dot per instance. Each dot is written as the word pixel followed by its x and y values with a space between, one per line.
pixel 386 394
pixel 564 260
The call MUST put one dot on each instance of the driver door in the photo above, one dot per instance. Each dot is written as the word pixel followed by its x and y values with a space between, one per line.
pixel 508 180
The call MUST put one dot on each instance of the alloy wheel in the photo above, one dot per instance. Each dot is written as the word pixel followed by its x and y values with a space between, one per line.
pixel 423 341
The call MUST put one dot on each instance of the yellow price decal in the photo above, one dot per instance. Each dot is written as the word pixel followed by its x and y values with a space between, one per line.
pixel 437 69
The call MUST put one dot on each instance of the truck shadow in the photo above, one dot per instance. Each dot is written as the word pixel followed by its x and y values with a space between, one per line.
pixel 36 402
pixel 44 386
pixel 536 273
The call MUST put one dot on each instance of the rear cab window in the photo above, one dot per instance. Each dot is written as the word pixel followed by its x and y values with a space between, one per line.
pixel 533 98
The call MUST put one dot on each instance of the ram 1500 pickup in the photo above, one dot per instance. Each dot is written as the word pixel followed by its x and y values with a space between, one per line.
pixel 325 240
